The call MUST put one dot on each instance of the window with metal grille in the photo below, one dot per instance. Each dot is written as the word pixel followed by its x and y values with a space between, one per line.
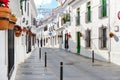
pixel 88 38
pixel 78 17
pixel 103 37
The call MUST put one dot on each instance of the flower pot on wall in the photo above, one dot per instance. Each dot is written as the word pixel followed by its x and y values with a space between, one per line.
pixel 24 29
pixel 12 22
pixel 111 34
pixel 17 30
pixel 4 18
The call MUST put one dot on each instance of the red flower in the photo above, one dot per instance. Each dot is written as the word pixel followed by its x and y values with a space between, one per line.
pixel 68 35
pixel 5 2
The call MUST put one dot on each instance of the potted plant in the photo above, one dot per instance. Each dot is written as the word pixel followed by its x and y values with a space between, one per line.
pixel 81 34
pixel 17 30
pixel 12 21
pixel 29 32
pixel 111 34
pixel 24 29
pixel 4 14
pixel 69 35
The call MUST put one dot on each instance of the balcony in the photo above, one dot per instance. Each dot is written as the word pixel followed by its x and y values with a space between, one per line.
pixel 65 19
pixel 103 11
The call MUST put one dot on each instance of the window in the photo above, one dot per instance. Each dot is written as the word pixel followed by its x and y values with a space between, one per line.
pixel 45 28
pixel 68 17
pixel 28 9
pixel 88 13
pixel 103 37
pixel 88 38
pixel 25 4
pixel 78 17
pixel 103 9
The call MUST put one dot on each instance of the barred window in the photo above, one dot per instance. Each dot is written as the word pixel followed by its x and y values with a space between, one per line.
pixel 103 37
pixel 88 38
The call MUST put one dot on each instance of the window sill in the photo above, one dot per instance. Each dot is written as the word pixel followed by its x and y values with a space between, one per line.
pixel 103 48
pixel 88 48
pixel 104 17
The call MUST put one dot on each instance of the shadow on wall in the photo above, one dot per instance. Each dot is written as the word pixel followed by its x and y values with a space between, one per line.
pixel 87 52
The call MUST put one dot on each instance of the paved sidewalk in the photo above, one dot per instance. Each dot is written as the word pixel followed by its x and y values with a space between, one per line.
pixel 75 67
pixel 33 69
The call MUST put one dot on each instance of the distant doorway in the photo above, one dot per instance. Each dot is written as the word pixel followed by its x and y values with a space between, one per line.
pixel 66 41
pixel 78 43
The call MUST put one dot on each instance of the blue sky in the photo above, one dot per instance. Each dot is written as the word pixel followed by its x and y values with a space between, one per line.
pixel 50 4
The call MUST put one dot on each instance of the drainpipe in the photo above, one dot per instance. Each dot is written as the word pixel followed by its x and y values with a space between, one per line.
pixel 109 52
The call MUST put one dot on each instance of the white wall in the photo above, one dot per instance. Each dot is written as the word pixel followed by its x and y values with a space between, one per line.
pixel 115 41
pixel 3 55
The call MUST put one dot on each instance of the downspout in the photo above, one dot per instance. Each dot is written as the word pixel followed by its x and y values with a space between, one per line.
pixel 109 52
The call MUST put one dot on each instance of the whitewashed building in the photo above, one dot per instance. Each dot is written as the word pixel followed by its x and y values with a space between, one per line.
pixel 13 49
pixel 87 25
pixel 91 24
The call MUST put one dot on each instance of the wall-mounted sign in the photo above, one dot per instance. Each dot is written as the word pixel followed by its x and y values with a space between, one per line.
pixel 118 15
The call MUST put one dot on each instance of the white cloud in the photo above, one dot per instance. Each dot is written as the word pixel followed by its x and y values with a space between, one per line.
pixel 42 2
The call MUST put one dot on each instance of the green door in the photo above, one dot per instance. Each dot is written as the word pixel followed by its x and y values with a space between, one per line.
pixel 78 43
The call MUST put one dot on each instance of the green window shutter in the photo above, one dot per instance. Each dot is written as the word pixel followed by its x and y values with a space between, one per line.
pixel 78 42
pixel 104 8
pixel 78 18
pixel 21 6
pixel 78 13
pixel 89 13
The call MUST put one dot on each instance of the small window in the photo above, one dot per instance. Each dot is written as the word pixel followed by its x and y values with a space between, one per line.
pixel 103 37
pixel 28 9
pixel 78 17
pixel 88 13
pixel 88 38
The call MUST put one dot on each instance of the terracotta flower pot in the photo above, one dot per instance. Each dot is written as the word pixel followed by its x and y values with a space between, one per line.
pixel 12 22
pixel 24 29
pixel 111 34
pixel 18 34
pixel 81 34
pixel 17 30
pixel 4 18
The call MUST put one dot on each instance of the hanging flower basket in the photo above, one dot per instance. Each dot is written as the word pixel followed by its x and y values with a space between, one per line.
pixel 24 29
pixel 33 34
pixel 59 36
pixel 18 30
pixel 81 34
pixel 111 34
pixel 12 22
pixel 4 14
pixel 68 35
pixel 29 32
pixel 4 18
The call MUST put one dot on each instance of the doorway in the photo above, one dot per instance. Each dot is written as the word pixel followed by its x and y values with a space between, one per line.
pixel 78 43
pixel 10 52
pixel 66 41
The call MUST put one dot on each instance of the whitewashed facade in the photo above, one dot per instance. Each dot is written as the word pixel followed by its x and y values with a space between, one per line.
pixel 97 19
pixel 8 69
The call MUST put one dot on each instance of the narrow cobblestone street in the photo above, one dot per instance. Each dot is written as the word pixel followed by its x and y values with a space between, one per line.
pixel 75 67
